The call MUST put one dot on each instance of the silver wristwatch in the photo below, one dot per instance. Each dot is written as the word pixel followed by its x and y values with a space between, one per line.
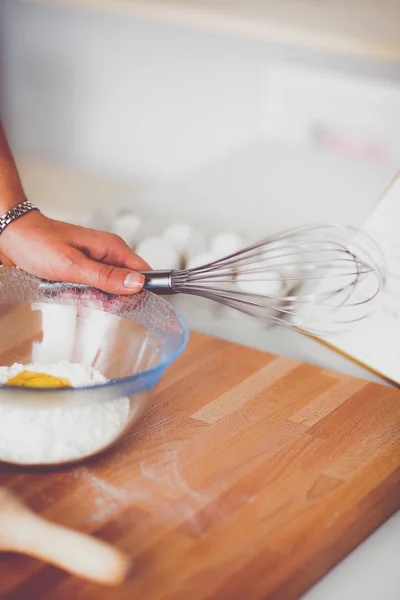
pixel 16 212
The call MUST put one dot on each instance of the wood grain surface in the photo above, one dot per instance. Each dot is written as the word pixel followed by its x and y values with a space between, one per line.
pixel 248 478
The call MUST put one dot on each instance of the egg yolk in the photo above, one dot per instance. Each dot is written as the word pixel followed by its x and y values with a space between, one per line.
pixel 38 380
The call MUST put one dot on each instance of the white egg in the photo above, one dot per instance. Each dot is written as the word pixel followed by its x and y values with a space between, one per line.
pixel 196 244
pixel 127 226
pixel 178 236
pixel 286 261
pixel 264 288
pixel 186 240
pixel 266 284
pixel 201 259
pixel 158 253
pixel 224 244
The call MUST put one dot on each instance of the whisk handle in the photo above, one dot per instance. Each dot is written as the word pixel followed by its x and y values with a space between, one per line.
pixel 159 282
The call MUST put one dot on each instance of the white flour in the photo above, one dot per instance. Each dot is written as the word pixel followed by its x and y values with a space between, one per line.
pixel 47 435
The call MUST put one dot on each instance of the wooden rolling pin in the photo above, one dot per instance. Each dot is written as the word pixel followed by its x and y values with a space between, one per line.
pixel 23 531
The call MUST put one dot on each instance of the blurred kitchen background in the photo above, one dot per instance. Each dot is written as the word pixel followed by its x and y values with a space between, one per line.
pixel 218 121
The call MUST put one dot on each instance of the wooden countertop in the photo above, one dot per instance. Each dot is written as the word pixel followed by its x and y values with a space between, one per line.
pixel 249 477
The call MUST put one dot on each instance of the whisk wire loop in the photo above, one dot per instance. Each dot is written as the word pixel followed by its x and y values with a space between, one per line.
pixel 318 279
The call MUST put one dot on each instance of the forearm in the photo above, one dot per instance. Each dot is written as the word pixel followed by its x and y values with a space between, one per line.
pixel 11 190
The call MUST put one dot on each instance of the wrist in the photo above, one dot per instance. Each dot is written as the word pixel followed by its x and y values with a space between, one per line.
pixel 15 213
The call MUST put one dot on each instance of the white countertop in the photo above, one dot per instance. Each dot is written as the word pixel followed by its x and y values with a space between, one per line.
pixel 370 572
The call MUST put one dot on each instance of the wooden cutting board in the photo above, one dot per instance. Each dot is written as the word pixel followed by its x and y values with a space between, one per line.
pixel 248 478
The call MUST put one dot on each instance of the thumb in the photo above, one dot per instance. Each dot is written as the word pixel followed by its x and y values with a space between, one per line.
pixel 113 280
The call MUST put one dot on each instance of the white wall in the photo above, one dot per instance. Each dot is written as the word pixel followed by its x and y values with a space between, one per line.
pixel 133 97
pixel 177 112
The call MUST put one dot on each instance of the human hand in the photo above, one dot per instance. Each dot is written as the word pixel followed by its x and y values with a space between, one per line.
pixel 63 252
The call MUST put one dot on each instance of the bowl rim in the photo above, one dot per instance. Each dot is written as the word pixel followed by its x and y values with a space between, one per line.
pixel 154 374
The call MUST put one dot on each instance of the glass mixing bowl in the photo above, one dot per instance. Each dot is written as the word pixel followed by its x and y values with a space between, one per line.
pixel 129 341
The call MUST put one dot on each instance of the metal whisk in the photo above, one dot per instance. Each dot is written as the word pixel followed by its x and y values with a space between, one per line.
pixel 329 277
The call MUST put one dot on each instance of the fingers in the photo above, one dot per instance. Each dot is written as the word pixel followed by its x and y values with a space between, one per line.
pixel 109 249
pixel 108 278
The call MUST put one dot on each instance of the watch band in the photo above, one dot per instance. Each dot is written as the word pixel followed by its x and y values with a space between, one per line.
pixel 16 212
